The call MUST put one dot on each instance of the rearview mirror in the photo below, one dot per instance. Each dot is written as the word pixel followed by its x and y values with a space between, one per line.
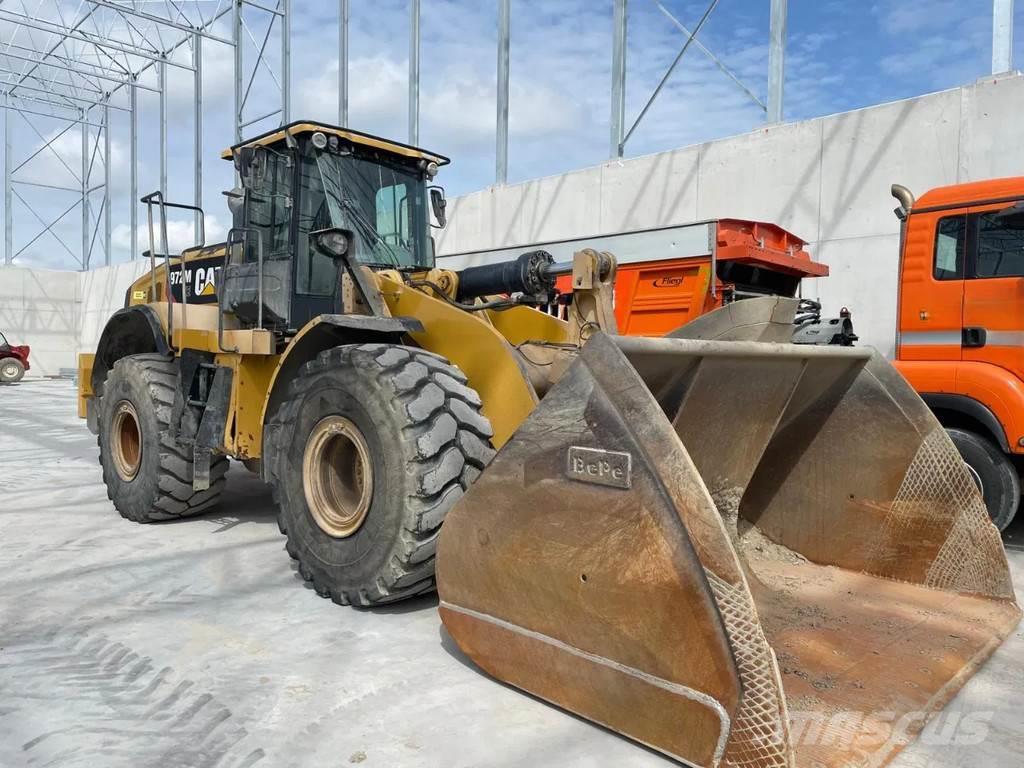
pixel 251 164
pixel 438 204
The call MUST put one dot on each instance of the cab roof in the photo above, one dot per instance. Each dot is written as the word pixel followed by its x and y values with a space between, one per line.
pixel 972 193
pixel 356 137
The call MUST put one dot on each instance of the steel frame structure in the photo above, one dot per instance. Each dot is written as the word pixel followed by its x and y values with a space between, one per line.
pixel 67 65
pixel 75 62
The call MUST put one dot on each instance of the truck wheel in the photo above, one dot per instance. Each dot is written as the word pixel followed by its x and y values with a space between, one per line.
pixel 372 447
pixel 11 370
pixel 148 475
pixel 1000 483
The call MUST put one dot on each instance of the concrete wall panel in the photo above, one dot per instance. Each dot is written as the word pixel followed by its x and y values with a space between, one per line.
pixel 555 207
pixel 913 142
pixel 769 175
pixel 652 191
pixel 990 140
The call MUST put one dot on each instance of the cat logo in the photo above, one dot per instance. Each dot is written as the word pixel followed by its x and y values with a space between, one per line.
pixel 668 281
pixel 201 276
pixel 207 286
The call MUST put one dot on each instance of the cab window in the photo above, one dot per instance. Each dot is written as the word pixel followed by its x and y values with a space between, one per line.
pixel 950 246
pixel 269 209
pixel 1000 245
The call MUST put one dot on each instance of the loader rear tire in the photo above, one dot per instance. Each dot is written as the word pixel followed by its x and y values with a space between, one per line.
pixel 410 441
pixel 1000 483
pixel 148 475
pixel 11 370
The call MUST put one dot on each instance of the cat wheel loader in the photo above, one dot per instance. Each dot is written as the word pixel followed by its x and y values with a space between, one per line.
pixel 698 540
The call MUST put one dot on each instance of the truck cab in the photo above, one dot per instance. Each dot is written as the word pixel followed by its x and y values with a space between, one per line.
pixel 960 324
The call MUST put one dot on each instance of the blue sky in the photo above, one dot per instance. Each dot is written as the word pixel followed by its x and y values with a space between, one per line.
pixel 842 55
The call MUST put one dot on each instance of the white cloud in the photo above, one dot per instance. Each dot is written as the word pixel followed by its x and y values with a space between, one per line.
pixel 180 235
pixel 61 163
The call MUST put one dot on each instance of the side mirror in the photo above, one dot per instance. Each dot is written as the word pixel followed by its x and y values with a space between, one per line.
pixel 251 164
pixel 438 204
pixel 334 243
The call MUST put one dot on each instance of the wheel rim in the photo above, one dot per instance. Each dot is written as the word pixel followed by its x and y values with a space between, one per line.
pixel 126 441
pixel 337 476
pixel 10 371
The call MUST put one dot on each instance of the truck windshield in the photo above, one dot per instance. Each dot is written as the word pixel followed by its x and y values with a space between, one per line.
pixel 383 204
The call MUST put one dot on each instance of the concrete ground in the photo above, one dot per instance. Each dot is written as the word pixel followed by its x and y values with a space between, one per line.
pixel 195 643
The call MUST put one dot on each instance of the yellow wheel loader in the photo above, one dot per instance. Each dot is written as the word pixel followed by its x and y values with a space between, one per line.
pixel 705 542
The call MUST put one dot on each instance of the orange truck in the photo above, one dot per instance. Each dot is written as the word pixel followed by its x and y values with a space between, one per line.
pixel 960 324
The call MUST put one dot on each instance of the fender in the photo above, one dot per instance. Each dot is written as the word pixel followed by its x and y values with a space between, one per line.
pixel 985 393
pixel 133 330
pixel 324 332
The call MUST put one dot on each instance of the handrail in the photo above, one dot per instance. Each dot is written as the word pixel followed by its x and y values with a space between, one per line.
pixel 157 198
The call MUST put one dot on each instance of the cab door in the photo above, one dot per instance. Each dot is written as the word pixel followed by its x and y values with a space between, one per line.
pixel 932 287
pixel 994 290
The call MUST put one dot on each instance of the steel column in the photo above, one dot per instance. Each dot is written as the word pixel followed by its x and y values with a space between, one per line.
pixel 668 73
pixel 286 62
pixel 106 186
pixel 414 72
pixel 777 60
pixel 237 34
pixel 162 78
pixel 1002 36
pixel 343 63
pixel 501 140
pixel 8 197
pixel 134 171
pixel 85 193
pixel 618 114
pixel 197 141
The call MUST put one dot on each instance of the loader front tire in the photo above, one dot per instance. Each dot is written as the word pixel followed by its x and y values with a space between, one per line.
pixel 1000 483
pixel 372 447
pixel 148 475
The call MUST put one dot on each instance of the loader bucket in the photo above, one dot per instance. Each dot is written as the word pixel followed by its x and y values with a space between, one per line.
pixel 736 552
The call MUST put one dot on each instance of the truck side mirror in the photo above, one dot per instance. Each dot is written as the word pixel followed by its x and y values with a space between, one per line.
pixel 438 204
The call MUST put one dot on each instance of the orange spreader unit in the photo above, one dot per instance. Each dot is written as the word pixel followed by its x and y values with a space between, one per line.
pixel 747 257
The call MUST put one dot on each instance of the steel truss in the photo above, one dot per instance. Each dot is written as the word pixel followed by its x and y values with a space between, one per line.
pixel 68 68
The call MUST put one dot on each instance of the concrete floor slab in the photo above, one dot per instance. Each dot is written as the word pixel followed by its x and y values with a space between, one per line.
pixel 195 643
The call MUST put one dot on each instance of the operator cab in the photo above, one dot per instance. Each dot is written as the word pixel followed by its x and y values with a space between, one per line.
pixel 313 202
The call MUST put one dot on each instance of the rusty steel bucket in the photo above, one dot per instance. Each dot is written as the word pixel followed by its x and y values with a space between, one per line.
pixel 700 541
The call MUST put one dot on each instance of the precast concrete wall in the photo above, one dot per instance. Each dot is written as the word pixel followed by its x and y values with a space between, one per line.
pixel 60 313
pixel 39 307
pixel 826 180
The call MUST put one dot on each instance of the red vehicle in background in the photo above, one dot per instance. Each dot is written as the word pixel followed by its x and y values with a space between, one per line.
pixel 13 361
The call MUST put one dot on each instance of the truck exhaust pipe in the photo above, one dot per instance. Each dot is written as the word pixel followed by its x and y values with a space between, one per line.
pixel 905 198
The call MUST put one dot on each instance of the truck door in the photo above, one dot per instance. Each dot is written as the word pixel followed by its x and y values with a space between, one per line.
pixel 994 291
pixel 932 287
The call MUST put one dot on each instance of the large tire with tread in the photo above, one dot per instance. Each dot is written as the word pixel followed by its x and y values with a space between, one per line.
pixel 999 479
pixel 12 370
pixel 161 486
pixel 426 442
